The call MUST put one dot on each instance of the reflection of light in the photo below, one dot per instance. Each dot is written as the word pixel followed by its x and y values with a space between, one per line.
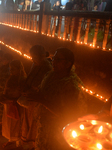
pixel 74 134
pixel 99 146
pixel 71 145
pixel 93 122
pixel 100 129
pixel 82 127
pixel 111 135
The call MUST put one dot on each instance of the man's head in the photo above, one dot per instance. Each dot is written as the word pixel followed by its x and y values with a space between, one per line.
pixel 63 60
pixel 38 54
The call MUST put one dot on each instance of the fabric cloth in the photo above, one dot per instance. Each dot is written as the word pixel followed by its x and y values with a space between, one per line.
pixel 11 127
pixel 4 74
pixel 31 86
pixel 62 104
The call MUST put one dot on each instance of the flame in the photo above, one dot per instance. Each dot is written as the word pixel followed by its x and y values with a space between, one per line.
pixel 74 134
pixel 99 146
pixel 100 129
pixel 93 122
pixel 82 127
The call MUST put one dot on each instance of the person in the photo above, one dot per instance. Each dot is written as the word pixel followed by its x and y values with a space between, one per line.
pixel 9 5
pixel 57 5
pixel 12 112
pixel 69 5
pixel 108 6
pixel 4 70
pixel 5 59
pixel 60 102
pixel 40 67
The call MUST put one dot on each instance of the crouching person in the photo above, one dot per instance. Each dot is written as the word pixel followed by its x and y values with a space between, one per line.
pixel 12 111
pixel 39 68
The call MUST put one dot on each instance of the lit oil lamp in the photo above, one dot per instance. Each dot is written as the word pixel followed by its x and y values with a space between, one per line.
pixel 74 134
pixel 85 126
pixel 101 131
pixel 99 146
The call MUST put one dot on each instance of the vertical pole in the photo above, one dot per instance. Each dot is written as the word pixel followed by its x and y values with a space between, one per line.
pixel 43 19
pixel 65 27
pixel 106 34
pixel 29 23
pixel 49 24
pixel 59 29
pixel 23 26
pixel 26 21
pixel 87 31
pixel 96 31
pixel 32 19
pixel 79 29
pixel 35 23
pixel 72 27
pixel 54 27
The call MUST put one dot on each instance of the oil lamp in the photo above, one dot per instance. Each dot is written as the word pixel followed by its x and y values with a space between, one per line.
pixel 101 131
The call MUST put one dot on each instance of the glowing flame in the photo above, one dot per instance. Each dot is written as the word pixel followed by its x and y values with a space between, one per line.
pixel 100 129
pixel 74 134
pixel 99 146
pixel 82 127
pixel 93 122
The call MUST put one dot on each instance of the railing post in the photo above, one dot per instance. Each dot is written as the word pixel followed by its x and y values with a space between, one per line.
pixel 49 24
pixel 26 21
pixel 96 32
pixel 72 27
pixel 35 23
pixel 43 19
pixel 79 29
pixel 65 28
pixel 87 31
pixel 59 28
pixel 54 27
pixel 106 34
pixel 16 20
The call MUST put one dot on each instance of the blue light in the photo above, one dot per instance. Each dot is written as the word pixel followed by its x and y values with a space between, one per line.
pixel 63 2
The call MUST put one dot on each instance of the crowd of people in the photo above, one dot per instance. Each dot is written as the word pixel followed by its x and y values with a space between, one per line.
pixel 37 106
pixel 95 5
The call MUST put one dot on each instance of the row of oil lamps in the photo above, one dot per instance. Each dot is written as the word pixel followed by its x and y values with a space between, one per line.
pixel 25 29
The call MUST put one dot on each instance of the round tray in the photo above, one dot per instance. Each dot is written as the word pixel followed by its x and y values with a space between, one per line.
pixel 87 137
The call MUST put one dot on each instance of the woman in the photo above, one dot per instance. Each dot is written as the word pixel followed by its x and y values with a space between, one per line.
pixel 39 69
pixel 12 112
pixel 58 95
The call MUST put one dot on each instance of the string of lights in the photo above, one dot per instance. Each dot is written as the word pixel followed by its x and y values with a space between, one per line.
pixel 83 88
pixel 61 38
pixel 15 50
pixel 25 29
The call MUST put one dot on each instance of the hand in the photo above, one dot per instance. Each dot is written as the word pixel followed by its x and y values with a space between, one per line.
pixel 89 117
